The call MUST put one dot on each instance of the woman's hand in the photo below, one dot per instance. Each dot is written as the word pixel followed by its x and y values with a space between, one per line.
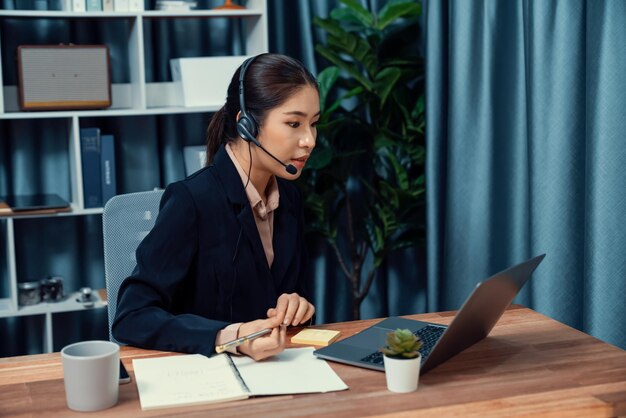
pixel 266 346
pixel 292 309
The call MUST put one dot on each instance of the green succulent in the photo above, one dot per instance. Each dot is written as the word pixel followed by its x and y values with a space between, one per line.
pixel 402 343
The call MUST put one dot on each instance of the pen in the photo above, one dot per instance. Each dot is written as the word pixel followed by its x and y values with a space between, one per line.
pixel 241 340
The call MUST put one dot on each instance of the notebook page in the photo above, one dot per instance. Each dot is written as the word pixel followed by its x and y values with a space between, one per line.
pixel 165 382
pixel 295 370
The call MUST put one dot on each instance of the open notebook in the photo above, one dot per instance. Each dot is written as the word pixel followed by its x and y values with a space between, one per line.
pixel 193 379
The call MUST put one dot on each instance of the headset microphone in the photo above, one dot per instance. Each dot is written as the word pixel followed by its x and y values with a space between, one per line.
pixel 291 169
pixel 246 125
pixel 243 133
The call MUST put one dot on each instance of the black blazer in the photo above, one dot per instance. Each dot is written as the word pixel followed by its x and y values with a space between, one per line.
pixel 203 266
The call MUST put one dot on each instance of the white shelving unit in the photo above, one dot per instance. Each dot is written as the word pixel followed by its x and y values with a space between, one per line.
pixel 136 98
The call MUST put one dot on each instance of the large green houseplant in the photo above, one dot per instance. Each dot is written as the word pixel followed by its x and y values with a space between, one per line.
pixel 364 184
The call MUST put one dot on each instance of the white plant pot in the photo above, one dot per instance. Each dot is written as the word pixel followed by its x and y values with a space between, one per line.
pixel 402 374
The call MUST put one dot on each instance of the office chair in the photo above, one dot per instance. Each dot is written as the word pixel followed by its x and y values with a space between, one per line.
pixel 126 220
pixel 194 157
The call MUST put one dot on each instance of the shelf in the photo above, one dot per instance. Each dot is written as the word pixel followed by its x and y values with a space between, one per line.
pixel 201 13
pixel 30 14
pixel 74 212
pixel 160 98
pixel 6 308
pixel 108 113
pixel 147 13
pixel 68 305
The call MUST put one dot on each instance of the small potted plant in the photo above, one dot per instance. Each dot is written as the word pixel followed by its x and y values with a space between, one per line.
pixel 402 360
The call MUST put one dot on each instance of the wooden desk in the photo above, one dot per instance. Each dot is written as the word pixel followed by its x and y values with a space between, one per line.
pixel 530 365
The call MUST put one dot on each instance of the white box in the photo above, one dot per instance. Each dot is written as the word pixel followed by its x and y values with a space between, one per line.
pixel 204 81
pixel 121 5
pixel 79 6
pixel 136 6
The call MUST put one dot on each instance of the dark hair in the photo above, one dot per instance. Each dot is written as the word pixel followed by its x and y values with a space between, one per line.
pixel 270 80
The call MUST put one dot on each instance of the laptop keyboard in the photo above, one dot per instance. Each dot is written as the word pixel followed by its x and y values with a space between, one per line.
pixel 429 335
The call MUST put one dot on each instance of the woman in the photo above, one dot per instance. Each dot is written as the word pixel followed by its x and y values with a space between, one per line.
pixel 226 255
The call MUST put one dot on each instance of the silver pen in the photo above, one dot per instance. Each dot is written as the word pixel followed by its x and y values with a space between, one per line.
pixel 235 343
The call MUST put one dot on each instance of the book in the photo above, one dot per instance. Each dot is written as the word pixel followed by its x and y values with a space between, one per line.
pixel 90 155
pixel 194 379
pixel 175 5
pixel 107 6
pixel 93 5
pixel 320 337
pixel 107 168
pixel 66 5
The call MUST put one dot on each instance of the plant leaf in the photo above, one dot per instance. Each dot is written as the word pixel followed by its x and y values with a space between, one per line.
pixel 385 82
pixel 354 92
pixel 326 80
pixel 396 9
pixel 345 14
pixel 402 177
pixel 319 158
pixel 330 26
pixel 350 69
pixel 356 48
pixel 359 12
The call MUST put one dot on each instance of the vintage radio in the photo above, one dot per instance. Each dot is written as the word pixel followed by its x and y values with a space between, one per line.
pixel 62 77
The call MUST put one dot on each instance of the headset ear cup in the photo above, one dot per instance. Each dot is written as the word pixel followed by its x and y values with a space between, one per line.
pixel 243 132
pixel 246 128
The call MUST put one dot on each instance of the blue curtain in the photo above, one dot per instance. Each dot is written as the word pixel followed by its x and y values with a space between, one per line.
pixel 525 154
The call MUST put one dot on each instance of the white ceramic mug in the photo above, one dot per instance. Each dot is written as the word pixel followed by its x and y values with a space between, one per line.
pixel 91 375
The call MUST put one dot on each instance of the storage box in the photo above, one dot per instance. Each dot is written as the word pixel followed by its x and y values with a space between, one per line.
pixel 204 81
pixel 58 77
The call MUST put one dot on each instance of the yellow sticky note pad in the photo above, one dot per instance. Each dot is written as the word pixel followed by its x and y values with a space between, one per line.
pixel 321 337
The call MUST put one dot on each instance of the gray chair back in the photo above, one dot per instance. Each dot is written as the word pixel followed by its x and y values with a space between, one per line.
pixel 126 220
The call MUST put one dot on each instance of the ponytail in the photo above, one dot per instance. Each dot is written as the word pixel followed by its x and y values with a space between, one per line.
pixel 215 134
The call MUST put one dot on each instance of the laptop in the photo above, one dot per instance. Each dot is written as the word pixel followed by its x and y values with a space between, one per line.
pixel 33 202
pixel 472 323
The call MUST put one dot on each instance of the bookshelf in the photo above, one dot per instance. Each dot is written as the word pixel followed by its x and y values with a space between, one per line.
pixel 134 97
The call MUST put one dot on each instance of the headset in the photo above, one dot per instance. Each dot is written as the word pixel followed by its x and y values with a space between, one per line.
pixel 247 127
